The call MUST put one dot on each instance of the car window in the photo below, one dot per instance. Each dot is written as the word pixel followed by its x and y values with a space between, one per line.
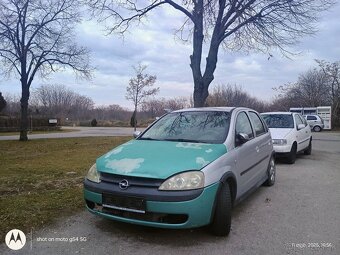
pixel 304 120
pixel 298 120
pixel 243 125
pixel 311 118
pixel 195 126
pixel 258 125
pixel 278 120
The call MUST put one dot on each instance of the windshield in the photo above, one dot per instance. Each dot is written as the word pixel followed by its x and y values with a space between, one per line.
pixel 278 120
pixel 197 127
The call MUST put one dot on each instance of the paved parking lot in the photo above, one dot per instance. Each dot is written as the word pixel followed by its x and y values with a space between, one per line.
pixel 300 212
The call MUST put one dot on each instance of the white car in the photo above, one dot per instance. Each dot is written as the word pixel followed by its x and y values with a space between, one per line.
pixel 290 133
pixel 315 122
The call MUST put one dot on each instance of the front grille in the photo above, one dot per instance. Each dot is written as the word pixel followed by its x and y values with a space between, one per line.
pixel 133 181
pixel 148 216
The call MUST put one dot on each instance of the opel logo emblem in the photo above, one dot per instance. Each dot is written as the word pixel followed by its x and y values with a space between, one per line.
pixel 124 184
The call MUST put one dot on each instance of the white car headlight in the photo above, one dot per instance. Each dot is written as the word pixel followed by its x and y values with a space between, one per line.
pixel 279 141
pixel 184 181
pixel 93 174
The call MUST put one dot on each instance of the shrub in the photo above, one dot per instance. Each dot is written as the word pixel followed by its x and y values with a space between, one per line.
pixel 93 123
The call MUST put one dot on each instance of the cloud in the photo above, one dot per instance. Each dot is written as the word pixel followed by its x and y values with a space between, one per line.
pixel 153 43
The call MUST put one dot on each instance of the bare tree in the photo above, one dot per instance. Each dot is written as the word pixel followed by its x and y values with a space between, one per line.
pixel 154 107
pixel 332 72
pixel 312 88
pixel 137 91
pixel 111 112
pixel 59 101
pixel 235 24
pixel 13 105
pixel 233 95
pixel 36 37
pixel 157 107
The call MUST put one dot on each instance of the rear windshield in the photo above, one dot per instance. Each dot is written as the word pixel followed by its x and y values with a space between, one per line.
pixel 196 127
pixel 278 120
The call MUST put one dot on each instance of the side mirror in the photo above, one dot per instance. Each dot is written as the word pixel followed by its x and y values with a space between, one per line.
pixel 241 138
pixel 136 134
pixel 300 126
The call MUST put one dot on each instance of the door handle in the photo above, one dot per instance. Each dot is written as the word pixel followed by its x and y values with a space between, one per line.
pixel 257 149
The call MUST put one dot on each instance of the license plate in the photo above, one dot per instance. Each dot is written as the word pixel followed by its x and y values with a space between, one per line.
pixel 125 203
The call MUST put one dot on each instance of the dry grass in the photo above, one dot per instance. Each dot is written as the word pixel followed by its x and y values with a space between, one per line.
pixel 41 180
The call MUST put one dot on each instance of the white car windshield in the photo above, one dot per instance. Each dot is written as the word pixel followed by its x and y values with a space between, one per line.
pixel 195 126
pixel 278 120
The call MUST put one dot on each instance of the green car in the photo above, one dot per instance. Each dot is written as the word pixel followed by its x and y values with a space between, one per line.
pixel 186 170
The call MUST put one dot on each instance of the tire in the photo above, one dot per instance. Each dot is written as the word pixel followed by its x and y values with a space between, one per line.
pixel 292 154
pixel 271 172
pixel 308 151
pixel 317 129
pixel 221 223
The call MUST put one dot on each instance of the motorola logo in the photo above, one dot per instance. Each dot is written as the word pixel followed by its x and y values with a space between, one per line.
pixel 15 239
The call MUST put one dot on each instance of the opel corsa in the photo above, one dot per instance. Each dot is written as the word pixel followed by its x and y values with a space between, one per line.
pixel 188 169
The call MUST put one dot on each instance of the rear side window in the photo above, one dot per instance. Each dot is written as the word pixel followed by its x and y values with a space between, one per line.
pixel 311 118
pixel 243 125
pixel 258 125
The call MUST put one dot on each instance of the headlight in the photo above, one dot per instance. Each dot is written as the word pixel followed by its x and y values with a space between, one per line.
pixel 279 141
pixel 184 181
pixel 93 174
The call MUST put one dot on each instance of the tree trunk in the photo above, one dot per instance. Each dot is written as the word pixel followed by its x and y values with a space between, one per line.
pixel 200 93
pixel 202 82
pixel 200 90
pixel 24 110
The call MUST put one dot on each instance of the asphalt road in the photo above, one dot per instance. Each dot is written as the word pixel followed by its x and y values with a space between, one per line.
pixel 80 132
pixel 301 211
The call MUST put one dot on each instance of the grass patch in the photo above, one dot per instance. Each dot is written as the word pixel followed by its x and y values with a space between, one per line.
pixel 41 180
pixel 39 132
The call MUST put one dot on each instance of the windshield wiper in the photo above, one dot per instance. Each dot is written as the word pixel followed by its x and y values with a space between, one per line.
pixel 148 138
pixel 183 140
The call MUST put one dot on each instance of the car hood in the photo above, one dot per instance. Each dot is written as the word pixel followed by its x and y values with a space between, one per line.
pixel 280 133
pixel 158 159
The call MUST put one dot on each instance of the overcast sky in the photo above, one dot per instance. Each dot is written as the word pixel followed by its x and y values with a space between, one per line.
pixel 153 44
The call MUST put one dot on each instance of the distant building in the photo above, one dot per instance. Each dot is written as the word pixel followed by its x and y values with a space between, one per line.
pixel 325 112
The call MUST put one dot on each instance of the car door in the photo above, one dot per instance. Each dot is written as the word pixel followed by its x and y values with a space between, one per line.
pixel 301 135
pixel 306 132
pixel 247 154
pixel 263 144
pixel 311 120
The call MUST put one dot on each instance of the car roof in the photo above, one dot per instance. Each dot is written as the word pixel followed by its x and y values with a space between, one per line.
pixel 287 113
pixel 209 109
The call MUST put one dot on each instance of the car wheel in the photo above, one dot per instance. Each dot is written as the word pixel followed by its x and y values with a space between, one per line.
pixel 221 223
pixel 271 173
pixel 308 151
pixel 292 154
pixel 316 129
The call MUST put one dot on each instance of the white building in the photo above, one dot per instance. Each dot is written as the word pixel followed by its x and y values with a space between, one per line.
pixel 325 112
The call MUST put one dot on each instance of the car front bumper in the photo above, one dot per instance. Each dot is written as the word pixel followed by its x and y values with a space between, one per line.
pixel 176 214
pixel 282 149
